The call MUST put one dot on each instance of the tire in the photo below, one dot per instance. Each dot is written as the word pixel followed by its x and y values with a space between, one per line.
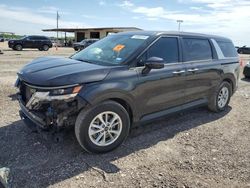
pixel 97 143
pixel 40 49
pixel 18 47
pixel 219 101
pixel 45 47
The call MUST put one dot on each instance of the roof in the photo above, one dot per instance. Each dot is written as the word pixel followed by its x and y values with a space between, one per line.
pixel 94 29
pixel 175 33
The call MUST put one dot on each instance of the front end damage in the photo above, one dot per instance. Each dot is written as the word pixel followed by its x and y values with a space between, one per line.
pixel 51 109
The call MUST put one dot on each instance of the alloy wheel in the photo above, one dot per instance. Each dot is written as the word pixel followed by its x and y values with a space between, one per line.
pixel 105 128
pixel 223 97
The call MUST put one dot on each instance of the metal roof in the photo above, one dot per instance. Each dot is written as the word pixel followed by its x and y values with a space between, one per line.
pixel 94 29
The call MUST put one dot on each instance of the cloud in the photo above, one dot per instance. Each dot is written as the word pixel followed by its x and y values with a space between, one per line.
pixel 102 3
pixel 25 15
pixel 224 17
pixel 126 4
pixel 48 10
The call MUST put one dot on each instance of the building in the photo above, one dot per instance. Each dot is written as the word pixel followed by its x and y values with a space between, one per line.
pixel 87 33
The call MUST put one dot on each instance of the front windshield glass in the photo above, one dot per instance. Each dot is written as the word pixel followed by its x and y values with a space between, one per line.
pixel 113 49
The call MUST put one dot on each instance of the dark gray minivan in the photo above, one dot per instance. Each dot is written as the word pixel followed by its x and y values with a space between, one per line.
pixel 125 79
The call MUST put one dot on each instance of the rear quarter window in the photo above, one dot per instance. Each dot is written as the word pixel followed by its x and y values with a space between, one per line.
pixel 227 49
pixel 197 49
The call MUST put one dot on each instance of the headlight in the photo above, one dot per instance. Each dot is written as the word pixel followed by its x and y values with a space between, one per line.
pixel 66 91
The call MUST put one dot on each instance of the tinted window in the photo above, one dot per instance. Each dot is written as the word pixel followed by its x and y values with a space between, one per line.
pixel 165 48
pixel 37 38
pixel 197 49
pixel 227 49
pixel 33 38
pixel 43 38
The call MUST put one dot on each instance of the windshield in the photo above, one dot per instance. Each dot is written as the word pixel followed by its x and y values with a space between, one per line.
pixel 113 49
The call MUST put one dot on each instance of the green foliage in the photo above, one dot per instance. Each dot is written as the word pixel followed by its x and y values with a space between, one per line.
pixel 9 36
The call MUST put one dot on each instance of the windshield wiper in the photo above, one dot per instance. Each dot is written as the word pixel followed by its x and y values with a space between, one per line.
pixel 85 60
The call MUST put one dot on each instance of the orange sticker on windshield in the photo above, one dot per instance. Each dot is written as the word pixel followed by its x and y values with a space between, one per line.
pixel 118 47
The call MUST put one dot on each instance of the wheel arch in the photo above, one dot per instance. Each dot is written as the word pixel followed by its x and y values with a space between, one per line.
pixel 126 105
pixel 121 97
pixel 231 80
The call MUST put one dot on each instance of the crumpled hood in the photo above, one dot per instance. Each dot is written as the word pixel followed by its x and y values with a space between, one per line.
pixel 59 71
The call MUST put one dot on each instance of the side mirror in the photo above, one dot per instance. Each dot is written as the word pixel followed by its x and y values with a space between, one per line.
pixel 153 63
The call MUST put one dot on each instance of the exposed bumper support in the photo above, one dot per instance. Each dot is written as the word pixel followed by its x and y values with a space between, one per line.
pixel 25 113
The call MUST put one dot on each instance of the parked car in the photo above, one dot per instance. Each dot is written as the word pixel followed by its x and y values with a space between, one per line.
pixel 83 44
pixel 243 50
pixel 1 39
pixel 40 42
pixel 246 70
pixel 126 79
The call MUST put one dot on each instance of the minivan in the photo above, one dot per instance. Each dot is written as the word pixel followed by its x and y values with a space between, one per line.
pixel 124 80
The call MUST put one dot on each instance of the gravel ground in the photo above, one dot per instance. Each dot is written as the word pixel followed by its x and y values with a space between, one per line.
pixel 197 148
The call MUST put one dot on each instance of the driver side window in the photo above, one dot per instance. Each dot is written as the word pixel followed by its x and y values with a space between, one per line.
pixel 165 48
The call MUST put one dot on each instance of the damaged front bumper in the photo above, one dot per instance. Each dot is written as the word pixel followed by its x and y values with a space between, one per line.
pixel 49 112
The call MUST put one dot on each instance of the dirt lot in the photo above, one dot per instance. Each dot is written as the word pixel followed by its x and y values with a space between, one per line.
pixel 197 148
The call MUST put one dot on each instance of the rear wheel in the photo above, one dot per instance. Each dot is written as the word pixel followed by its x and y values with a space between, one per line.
pixel 220 99
pixel 18 47
pixel 102 128
pixel 45 47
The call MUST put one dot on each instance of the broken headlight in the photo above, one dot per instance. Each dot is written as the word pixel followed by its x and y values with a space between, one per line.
pixel 66 91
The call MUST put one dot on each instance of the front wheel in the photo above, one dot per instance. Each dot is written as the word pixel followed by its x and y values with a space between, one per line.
pixel 102 128
pixel 221 97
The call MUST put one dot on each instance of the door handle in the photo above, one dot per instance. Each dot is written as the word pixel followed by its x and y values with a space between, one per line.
pixel 179 72
pixel 192 70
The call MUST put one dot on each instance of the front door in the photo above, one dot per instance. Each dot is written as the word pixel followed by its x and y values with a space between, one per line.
pixel 28 42
pixel 163 88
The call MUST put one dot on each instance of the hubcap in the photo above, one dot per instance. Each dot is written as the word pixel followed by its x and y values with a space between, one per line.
pixel 18 47
pixel 223 97
pixel 105 128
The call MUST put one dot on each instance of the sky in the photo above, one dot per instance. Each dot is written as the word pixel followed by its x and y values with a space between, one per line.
pixel 230 18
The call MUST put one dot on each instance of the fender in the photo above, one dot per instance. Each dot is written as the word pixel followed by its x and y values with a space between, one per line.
pixel 98 92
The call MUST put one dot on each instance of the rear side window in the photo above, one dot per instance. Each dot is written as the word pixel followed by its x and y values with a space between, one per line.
pixel 227 49
pixel 197 49
pixel 165 48
pixel 34 38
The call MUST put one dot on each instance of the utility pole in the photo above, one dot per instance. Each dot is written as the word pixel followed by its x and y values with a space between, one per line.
pixel 57 18
pixel 179 24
